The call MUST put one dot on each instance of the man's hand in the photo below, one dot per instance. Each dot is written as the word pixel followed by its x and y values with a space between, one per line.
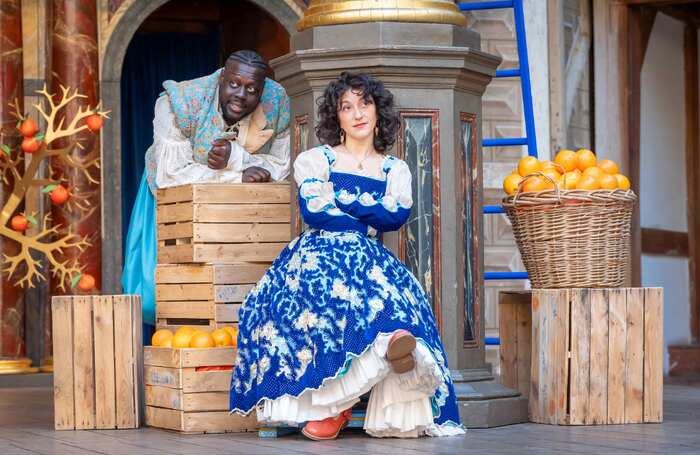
pixel 255 174
pixel 219 154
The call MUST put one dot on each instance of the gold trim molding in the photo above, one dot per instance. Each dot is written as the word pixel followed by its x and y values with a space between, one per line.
pixel 324 12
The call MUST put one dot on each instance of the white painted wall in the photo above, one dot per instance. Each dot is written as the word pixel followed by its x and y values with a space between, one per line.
pixel 663 194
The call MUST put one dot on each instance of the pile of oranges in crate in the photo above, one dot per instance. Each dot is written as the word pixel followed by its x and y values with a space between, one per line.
pixel 579 170
pixel 189 337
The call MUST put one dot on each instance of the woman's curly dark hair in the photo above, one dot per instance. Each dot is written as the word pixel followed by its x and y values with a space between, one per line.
pixel 328 128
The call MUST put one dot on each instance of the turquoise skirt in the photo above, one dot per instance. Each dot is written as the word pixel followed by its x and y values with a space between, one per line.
pixel 140 252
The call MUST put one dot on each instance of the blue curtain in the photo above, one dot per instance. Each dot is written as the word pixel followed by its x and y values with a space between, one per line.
pixel 151 59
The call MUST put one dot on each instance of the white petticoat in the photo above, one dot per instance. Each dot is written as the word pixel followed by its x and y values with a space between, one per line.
pixel 399 404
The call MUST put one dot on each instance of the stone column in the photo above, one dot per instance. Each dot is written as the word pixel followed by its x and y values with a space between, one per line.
pixel 438 75
pixel 12 311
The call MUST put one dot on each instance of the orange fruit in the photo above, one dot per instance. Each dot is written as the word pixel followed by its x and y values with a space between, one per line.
pixel 181 340
pixel 608 166
pixel 233 331
pixel 202 340
pixel 510 184
pixel 566 159
pixel 94 122
pixel 161 336
pixel 594 171
pixel 587 182
pixel 19 223
pixel 623 182
pixel 608 182
pixel 222 337
pixel 534 183
pixel 570 179
pixel 28 128
pixel 585 159
pixel 552 174
pixel 187 329
pixel 86 282
pixel 529 165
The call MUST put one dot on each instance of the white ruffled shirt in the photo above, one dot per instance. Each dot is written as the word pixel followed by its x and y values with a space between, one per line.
pixel 175 162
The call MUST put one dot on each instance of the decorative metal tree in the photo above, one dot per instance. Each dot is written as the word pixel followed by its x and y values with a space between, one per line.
pixel 59 140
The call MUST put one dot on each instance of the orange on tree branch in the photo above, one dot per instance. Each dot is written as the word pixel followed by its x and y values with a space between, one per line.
pixel 57 131
pixel 63 270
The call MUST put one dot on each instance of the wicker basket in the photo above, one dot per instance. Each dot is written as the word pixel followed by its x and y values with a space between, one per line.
pixel 573 239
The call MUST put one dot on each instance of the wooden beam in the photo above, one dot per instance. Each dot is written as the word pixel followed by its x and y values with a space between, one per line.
pixel 662 242
pixel 692 158
pixel 689 15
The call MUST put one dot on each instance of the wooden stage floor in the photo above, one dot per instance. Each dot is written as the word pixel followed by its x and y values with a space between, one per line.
pixel 26 427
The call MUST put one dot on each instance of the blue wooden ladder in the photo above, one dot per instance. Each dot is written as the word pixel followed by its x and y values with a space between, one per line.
pixel 523 72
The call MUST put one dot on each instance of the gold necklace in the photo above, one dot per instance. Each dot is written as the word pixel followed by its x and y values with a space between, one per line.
pixel 359 162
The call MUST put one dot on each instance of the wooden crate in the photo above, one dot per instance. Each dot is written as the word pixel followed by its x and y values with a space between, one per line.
pixel 98 362
pixel 515 333
pixel 597 356
pixel 204 295
pixel 226 223
pixel 181 398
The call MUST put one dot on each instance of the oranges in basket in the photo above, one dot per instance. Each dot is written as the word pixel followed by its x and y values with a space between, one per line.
pixel 570 170
pixel 190 337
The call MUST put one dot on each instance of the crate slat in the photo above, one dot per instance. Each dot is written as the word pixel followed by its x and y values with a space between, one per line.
pixel 105 387
pixel 83 364
pixel 266 193
pixel 124 363
pixel 237 252
pixel 617 339
pixel 507 328
pixel 180 212
pixel 580 356
pixel 227 312
pixel 63 397
pixel 598 394
pixel 524 335
pixel 185 309
pixel 185 273
pixel 238 233
pixel 634 360
pixel 653 355
pixel 241 213
pixel 165 397
pixel 174 194
pixel 162 376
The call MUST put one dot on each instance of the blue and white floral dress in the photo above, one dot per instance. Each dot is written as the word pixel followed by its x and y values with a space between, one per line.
pixel 315 330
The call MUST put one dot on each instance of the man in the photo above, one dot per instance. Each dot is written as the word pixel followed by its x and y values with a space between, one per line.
pixel 229 127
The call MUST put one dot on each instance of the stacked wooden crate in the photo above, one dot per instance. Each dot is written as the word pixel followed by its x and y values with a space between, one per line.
pixel 98 362
pixel 187 390
pixel 595 356
pixel 214 242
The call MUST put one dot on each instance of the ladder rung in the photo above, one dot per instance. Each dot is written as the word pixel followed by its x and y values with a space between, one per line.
pixel 485 5
pixel 493 209
pixel 505 275
pixel 504 142
pixel 508 73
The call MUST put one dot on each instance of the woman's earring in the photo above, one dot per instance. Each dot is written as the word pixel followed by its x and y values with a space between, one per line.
pixel 342 136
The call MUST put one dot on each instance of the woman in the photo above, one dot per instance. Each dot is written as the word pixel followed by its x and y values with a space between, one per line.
pixel 337 315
